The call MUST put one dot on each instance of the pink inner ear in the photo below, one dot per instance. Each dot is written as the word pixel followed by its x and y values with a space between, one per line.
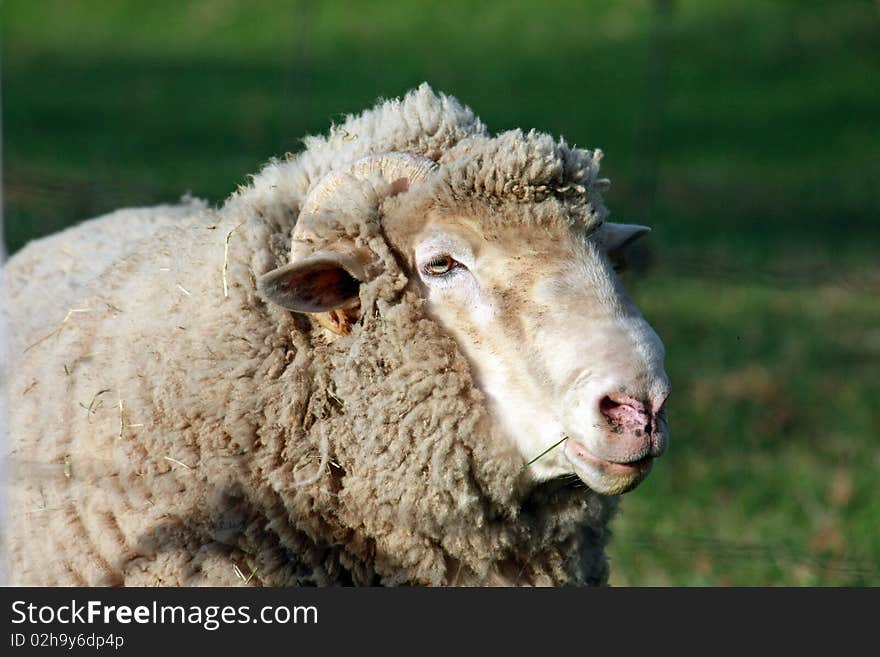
pixel 320 289
pixel 399 186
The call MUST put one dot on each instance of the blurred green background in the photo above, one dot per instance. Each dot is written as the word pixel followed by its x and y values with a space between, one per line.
pixel 747 132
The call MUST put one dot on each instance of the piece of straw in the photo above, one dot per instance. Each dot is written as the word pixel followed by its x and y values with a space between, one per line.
pixel 175 461
pixel 226 259
pixel 557 444
pixel 59 327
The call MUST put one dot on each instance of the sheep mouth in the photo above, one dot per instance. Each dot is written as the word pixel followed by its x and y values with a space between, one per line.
pixel 604 476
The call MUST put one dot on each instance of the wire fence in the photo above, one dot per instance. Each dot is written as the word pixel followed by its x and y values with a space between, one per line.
pixel 76 199
pixel 782 554
pixel 65 199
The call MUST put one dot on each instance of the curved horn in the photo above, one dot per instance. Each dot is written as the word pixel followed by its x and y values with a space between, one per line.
pixel 326 283
pixel 391 167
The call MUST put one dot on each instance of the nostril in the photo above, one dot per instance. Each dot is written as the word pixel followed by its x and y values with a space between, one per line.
pixel 658 403
pixel 624 412
pixel 623 407
pixel 607 405
pixel 619 400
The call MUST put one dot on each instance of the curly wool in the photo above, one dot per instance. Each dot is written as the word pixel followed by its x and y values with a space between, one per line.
pixel 174 451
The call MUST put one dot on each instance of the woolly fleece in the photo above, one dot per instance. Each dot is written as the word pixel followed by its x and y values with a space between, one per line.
pixel 45 278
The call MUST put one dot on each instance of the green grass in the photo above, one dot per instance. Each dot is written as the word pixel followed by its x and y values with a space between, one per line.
pixel 772 470
pixel 745 131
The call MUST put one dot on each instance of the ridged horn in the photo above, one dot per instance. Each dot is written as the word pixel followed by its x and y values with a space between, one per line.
pixel 390 167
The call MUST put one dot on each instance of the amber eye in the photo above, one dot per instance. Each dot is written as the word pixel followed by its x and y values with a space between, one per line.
pixel 440 265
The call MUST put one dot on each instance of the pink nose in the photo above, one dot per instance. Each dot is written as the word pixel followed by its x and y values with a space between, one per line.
pixel 634 420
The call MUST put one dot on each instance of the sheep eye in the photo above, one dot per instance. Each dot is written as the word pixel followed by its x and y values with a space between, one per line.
pixel 440 265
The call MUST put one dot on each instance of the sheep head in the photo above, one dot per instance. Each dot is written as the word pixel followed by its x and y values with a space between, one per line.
pixel 561 352
pixel 563 355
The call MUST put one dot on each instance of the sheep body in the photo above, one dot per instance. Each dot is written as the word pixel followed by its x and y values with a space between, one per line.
pixel 45 278
pixel 183 432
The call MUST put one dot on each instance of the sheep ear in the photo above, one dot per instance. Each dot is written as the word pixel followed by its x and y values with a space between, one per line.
pixel 617 236
pixel 322 282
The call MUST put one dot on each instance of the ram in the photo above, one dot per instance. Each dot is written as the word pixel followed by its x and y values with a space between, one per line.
pixel 402 356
